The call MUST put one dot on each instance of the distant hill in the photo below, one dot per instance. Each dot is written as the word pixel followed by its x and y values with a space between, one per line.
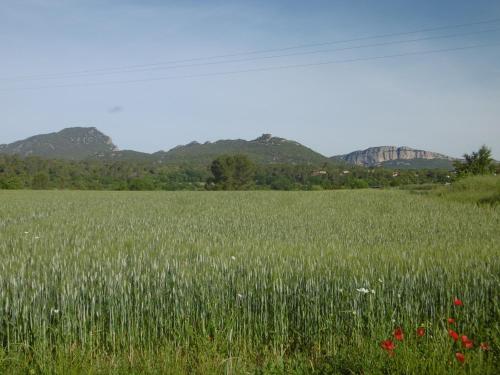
pixel 264 149
pixel 81 143
pixel 396 157
pixel 71 143
pixel 89 143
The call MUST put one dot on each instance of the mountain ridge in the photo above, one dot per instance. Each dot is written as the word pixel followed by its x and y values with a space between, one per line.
pixel 79 143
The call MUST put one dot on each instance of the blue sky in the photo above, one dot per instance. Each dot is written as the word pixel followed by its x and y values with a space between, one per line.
pixel 446 102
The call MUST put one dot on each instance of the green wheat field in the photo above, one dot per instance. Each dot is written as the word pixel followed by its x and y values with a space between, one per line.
pixel 246 282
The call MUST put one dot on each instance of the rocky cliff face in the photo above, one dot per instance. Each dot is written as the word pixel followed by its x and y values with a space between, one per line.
pixel 376 155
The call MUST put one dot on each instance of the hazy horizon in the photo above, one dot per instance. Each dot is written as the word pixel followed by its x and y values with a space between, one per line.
pixel 105 64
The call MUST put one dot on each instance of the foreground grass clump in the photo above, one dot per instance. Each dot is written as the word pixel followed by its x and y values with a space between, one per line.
pixel 483 190
pixel 269 282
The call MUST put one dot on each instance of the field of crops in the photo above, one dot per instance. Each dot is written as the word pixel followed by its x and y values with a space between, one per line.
pixel 245 282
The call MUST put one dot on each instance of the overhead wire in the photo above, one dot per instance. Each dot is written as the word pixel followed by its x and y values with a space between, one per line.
pixel 254 52
pixel 301 53
pixel 263 69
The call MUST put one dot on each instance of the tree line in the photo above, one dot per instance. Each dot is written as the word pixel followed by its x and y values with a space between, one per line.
pixel 227 172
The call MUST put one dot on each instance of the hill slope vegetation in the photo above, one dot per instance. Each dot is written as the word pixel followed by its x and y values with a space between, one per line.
pixel 80 143
pixel 71 143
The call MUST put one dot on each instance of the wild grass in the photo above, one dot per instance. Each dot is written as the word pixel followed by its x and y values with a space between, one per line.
pixel 244 282
pixel 474 189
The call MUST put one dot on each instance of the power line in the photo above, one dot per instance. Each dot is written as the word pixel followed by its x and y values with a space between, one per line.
pixel 261 51
pixel 301 53
pixel 280 67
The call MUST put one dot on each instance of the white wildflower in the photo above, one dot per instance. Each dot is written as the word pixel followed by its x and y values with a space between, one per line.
pixel 363 290
pixel 233 257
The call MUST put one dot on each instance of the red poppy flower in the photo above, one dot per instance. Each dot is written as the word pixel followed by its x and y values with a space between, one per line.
pixel 421 331
pixel 451 321
pixel 458 302
pixel 484 346
pixel 388 346
pixel 460 357
pixel 398 334
pixel 469 344
pixel 453 334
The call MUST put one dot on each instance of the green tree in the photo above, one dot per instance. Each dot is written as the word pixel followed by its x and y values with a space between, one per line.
pixel 40 181
pixel 280 183
pixel 12 182
pixel 477 163
pixel 232 172
pixel 358 183
pixel 141 184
